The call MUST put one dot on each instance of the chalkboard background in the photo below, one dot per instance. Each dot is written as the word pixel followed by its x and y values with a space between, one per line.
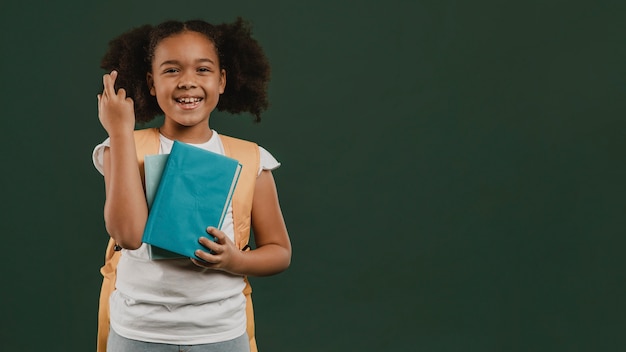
pixel 452 180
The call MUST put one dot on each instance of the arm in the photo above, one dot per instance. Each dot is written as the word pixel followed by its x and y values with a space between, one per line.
pixel 273 252
pixel 125 208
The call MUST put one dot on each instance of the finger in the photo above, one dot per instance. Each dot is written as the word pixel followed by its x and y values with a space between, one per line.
pixel 199 263
pixel 106 91
pixel 211 245
pixel 108 81
pixel 218 235
pixel 205 258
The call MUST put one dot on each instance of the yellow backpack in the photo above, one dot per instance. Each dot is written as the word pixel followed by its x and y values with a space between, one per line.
pixel 247 153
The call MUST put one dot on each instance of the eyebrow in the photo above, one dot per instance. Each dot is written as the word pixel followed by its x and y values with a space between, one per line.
pixel 176 62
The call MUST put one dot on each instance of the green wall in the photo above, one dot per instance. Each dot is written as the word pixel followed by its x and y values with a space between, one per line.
pixel 453 171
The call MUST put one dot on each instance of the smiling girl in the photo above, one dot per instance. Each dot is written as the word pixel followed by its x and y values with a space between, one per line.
pixel 184 71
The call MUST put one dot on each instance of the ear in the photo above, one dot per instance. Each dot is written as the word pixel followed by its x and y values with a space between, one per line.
pixel 150 81
pixel 222 81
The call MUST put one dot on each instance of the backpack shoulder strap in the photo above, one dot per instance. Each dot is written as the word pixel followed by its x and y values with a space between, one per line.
pixel 146 142
pixel 247 153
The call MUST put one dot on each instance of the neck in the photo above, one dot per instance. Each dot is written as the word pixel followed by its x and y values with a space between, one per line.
pixel 188 134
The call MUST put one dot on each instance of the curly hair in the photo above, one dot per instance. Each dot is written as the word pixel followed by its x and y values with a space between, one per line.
pixel 239 54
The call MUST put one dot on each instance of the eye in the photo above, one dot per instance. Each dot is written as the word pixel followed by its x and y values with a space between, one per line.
pixel 204 69
pixel 170 70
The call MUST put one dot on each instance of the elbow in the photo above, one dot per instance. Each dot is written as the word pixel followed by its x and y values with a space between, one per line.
pixel 125 237
pixel 287 260
pixel 129 245
pixel 126 231
pixel 284 262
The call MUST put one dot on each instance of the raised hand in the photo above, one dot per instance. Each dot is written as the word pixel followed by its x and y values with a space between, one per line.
pixel 115 110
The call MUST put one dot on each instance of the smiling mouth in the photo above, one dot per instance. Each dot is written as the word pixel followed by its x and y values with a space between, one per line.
pixel 188 103
pixel 188 100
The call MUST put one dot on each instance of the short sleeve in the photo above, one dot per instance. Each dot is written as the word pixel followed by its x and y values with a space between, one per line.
pixel 98 155
pixel 268 162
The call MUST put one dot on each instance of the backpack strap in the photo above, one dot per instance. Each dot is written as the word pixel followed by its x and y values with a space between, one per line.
pixel 146 142
pixel 247 153
pixel 108 271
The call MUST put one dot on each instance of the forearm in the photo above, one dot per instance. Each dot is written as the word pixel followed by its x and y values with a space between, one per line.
pixel 125 210
pixel 267 260
pixel 273 252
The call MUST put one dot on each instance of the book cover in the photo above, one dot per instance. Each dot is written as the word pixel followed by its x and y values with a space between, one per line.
pixel 153 169
pixel 194 191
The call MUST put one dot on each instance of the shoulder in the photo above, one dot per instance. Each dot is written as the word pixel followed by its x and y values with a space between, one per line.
pixel 146 131
pixel 97 155
pixel 245 151
pixel 146 135
pixel 242 149
pixel 268 161
pixel 146 142
pixel 237 141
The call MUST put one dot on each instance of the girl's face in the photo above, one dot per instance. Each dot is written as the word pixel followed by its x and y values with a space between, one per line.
pixel 186 78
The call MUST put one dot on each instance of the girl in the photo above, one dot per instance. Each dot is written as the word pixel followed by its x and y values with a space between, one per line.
pixel 184 71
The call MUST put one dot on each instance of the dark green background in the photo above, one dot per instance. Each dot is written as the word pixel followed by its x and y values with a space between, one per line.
pixel 453 171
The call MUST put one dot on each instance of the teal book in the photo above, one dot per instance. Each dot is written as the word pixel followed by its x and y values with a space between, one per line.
pixel 187 191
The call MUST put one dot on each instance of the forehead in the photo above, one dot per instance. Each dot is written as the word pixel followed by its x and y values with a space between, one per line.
pixel 185 45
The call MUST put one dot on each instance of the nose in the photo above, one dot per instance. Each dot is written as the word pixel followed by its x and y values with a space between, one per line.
pixel 187 81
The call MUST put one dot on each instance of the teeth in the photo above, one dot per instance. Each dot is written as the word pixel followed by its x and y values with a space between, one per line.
pixel 188 100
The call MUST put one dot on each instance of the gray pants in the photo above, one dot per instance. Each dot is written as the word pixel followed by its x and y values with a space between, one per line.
pixel 117 343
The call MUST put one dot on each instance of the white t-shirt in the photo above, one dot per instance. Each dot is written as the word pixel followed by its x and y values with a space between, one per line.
pixel 174 301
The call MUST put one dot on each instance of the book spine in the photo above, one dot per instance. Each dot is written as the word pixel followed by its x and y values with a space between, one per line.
pixel 229 198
